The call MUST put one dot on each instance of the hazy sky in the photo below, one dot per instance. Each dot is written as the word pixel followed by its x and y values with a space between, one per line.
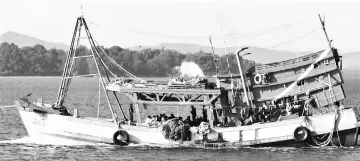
pixel 281 24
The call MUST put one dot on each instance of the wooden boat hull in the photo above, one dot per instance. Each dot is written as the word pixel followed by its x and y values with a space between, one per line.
pixel 95 130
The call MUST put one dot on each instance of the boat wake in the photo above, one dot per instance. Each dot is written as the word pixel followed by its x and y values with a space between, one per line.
pixel 47 141
pixel 24 140
pixel 33 141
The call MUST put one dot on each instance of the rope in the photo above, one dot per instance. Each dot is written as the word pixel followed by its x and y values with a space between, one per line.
pixel 234 36
pixel 257 32
pixel 297 38
pixel 106 67
pixel 329 139
pixel 118 65
pixel 199 38
pixel 114 63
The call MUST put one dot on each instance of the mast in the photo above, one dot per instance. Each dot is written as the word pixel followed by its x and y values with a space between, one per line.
pixel 337 60
pixel 70 65
pixel 215 60
pixel 323 27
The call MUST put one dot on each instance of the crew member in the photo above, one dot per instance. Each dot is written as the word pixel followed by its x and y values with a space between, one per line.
pixel 204 112
pixel 193 113
pixel 131 112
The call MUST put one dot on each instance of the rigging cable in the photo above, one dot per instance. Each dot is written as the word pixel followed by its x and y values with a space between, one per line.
pixel 294 39
pixel 257 32
pixel 107 68
pixel 114 63
pixel 200 38
pixel 118 65
pixel 234 36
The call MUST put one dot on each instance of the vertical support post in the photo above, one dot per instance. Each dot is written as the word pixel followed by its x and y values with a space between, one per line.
pixel 210 112
pixel 331 90
pixel 239 60
pixel 137 109
pixel 98 113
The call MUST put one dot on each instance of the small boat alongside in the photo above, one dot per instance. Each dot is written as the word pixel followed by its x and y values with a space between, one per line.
pixel 296 102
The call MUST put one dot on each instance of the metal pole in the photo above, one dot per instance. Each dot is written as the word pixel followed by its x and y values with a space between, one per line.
pixel 93 50
pixel 215 61
pixel 239 60
pixel 323 27
pixel 99 98
pixel 66 67
pixel 96 53
pixel 71 68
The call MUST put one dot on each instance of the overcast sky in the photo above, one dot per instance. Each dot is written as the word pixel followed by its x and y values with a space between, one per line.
pixel 281 24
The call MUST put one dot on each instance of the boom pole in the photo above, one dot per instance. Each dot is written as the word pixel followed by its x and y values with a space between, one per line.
pixel 323 27
pixel 215 60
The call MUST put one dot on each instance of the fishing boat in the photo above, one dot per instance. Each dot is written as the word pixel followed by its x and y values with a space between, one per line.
pixel 297 102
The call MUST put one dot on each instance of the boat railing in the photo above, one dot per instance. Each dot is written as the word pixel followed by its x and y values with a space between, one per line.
pixel 301 61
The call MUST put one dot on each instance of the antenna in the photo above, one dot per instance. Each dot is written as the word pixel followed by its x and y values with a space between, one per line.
pixel 82 13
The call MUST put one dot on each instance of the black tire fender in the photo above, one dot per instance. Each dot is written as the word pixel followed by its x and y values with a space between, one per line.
pixel 301 134
pixel 123 134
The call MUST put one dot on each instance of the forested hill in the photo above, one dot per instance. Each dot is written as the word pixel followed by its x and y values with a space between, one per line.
pixel 38 61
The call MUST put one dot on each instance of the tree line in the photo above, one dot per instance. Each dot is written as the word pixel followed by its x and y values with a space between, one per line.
pixel 38 61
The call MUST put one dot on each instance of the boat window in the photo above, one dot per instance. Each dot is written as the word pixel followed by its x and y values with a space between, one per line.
pixel 306 58
pixel 314 56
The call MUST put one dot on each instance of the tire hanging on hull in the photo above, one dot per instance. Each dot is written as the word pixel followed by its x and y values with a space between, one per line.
pixel 123 134
pixel 301 134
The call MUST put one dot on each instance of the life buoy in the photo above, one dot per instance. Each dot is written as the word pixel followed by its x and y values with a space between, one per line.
pixel 326 62
pixel 124 138
pixel 301 134
pixel 257 78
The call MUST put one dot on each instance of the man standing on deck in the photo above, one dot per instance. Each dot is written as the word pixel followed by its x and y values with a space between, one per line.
pixel 204 112
pixel 131 111
pixel 193 113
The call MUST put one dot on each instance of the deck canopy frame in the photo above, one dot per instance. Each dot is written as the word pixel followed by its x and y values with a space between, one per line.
pixel 171 97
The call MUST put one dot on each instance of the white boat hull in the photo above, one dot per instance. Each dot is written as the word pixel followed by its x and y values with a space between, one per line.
pixel 101 131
